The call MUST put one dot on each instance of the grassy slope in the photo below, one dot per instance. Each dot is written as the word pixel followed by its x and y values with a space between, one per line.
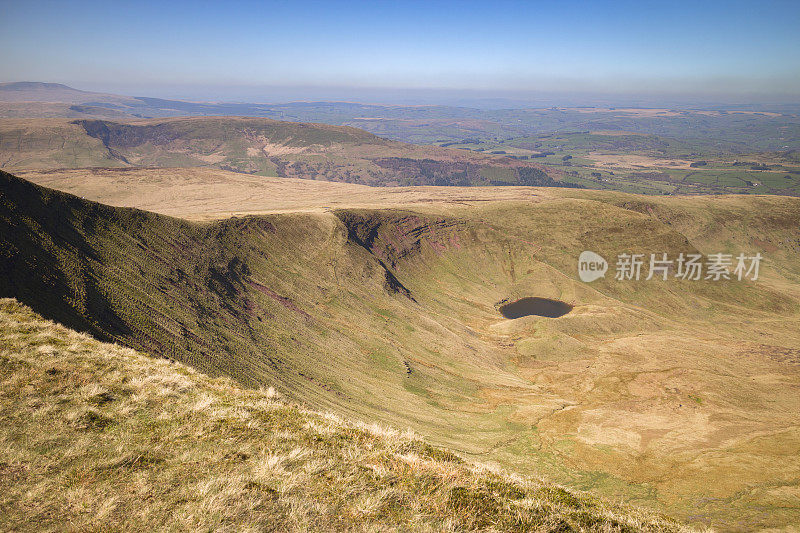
pixel 250 145
pixel 94 436
pixel 50 143
pixel 646 391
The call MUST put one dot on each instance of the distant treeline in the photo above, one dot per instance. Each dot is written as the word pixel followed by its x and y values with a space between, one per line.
pixel 465 141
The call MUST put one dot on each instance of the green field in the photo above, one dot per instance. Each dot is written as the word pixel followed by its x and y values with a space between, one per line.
pixel 645 164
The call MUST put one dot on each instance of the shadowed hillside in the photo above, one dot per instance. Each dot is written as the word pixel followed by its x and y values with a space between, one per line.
pixel 643 391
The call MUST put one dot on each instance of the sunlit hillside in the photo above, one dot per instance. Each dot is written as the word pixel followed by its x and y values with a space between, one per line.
pixel 94 436
pixel 644 391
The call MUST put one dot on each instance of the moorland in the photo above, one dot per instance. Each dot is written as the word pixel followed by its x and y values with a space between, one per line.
pixel 292 256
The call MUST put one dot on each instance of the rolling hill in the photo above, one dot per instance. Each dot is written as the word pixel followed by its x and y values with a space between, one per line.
pixel 655 151
pixel 677 395
pixel 255 146
pixel 35 91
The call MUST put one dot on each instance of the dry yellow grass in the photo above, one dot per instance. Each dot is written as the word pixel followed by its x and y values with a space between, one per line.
pixel 207 193
pixel 94 436
pixel 679 396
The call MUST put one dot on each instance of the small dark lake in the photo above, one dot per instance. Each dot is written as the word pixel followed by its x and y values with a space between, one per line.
pixel 535 306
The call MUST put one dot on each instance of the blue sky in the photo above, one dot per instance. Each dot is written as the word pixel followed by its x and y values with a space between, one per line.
pixel 698 47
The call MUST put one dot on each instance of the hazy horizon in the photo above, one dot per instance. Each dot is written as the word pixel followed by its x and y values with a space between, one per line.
pixel 584 53
pixel 433 96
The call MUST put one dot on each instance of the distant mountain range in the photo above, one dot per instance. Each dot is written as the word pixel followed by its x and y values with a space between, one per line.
pixel 427 124
pixel 35 91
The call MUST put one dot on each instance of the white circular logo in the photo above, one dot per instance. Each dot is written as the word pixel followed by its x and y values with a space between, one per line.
pixel 591 266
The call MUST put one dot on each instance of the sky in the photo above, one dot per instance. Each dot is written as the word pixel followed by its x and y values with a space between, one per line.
pixel 242 50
